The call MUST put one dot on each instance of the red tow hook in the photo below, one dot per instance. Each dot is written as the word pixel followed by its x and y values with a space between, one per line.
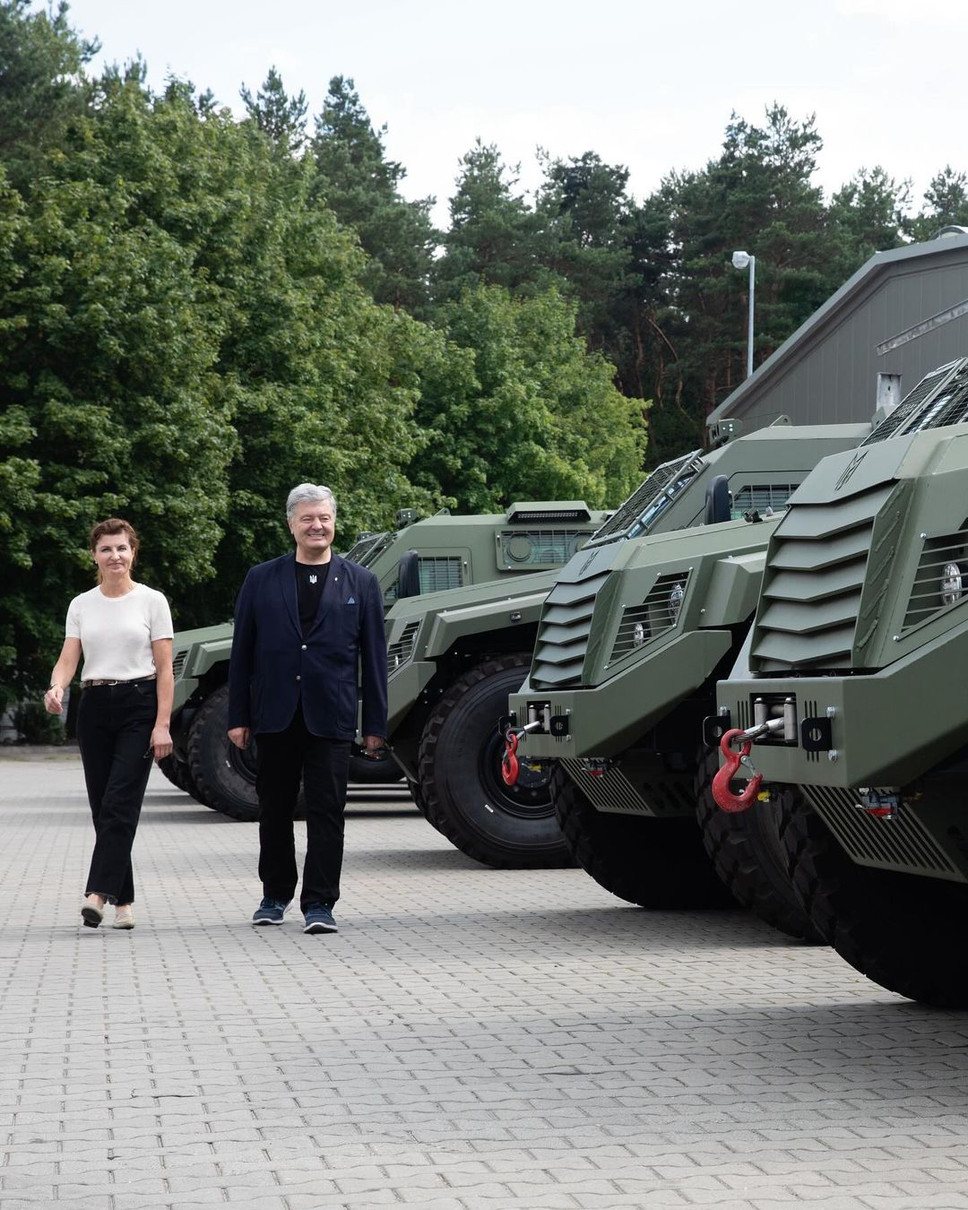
pixel 509 762
pixel 723 796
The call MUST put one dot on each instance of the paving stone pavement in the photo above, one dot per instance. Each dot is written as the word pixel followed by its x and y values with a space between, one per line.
pixel 472 1039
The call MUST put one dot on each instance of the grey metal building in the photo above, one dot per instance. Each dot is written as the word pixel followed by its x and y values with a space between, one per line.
pixel 902 314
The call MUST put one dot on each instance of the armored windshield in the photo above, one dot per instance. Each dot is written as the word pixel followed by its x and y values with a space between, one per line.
pixel 366 548
pixel 638 514
pixel 939 399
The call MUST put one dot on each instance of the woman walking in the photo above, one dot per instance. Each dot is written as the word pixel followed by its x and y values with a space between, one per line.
pixel 124 631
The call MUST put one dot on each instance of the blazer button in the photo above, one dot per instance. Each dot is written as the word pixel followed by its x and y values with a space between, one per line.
pixel 304 646
pixel 298 678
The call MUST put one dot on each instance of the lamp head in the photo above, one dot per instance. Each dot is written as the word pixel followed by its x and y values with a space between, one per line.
pixel 741 260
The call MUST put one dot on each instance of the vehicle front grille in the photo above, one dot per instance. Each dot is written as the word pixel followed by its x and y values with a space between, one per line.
pixel 657 614
pixel 609 791
pixel 563 631
pixel 401 651
pixel 942 572
pixel 178 662
pixel 810 602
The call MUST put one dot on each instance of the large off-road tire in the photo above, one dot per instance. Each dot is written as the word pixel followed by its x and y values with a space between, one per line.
pixel 656 863
pixel 745 851
pixel 417 794
pixel 902 931
pixel 180 775
pixel 459 769
pixel 365 771
pixel 224 774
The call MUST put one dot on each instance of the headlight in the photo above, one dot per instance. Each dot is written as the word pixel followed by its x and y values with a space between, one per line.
pixel 675 601
pixel 640 633
pixel 952 587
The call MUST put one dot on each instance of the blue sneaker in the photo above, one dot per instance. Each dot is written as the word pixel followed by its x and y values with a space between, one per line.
pixel 270 911
pixel 319 919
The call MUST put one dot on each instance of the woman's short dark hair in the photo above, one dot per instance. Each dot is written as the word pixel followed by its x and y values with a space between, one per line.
pixel 115 525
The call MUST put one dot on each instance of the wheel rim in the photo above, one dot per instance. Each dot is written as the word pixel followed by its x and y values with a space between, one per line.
pixel 529 798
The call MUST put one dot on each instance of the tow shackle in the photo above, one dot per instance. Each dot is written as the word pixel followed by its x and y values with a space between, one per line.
pixel 722 795
pixel 509 761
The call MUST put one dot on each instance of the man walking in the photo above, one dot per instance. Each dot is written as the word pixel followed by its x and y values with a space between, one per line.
pixel 308 631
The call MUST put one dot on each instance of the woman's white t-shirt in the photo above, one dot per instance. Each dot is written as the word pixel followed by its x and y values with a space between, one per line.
pixel 116 633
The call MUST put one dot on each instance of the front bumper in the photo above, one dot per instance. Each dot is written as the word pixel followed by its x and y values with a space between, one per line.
pixel 603 720
pixel 883 728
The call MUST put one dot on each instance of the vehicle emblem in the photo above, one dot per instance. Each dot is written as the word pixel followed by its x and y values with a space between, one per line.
pixel 852 466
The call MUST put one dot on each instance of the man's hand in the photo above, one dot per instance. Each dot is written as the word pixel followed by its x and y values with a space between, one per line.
pixel 239 736
pixel 373 744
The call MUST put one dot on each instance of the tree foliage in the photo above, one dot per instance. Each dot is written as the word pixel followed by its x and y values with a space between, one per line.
pixel 41 89
pixel 362 188
pixel 522 411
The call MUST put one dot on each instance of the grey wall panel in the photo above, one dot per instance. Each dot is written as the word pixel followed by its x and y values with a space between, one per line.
pixel 827 372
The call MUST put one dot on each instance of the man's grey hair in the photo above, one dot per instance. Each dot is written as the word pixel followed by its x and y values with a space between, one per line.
pixel 309 493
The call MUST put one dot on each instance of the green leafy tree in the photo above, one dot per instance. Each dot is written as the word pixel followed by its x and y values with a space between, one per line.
pixel 493 235
pixel 362 188
pixel 945 203
pixel 184 334
pixel 103 362
pixel 521 409
pixel 758 196
pixel 42 88
pixel 584 212
pixel 868 215
pixel 282 118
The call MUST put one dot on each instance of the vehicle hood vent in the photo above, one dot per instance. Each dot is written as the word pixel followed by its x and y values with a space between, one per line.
pixel 566 622
pixel 810 602
pixel 556 510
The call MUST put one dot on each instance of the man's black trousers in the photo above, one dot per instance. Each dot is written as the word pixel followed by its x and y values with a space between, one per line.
pixel 114 725
pixel 283 758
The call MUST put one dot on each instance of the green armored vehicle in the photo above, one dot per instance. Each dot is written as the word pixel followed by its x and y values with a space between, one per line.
pixel 420 556
pixel 631 642
pixel 455 657
pixel 848 699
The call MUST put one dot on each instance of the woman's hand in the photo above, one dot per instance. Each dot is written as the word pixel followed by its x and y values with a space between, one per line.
pixel 161 744
pixel 54 700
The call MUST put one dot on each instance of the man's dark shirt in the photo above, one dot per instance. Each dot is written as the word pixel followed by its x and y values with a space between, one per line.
pixel 310 582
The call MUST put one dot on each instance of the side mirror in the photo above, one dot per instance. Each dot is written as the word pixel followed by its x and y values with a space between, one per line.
pixel 718 504
pixel 408 575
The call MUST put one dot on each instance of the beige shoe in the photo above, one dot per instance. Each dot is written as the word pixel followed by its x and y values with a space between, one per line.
pixel 123 917
pixel 92 912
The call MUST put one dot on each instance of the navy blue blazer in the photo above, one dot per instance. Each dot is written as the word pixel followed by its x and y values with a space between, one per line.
pixel 272 666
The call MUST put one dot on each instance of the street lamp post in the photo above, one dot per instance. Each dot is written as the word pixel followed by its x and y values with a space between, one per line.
pixel 740 261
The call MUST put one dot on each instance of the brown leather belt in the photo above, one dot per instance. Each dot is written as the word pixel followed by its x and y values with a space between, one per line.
pixel 138 680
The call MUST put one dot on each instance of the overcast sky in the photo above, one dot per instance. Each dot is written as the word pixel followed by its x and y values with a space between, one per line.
pixel 647 85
